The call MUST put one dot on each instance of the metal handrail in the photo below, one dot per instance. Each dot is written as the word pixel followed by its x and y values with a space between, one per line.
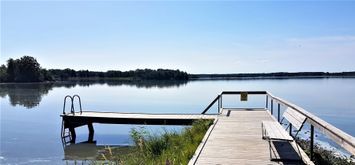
pixel 239 92
pixel 211 104
pixel 65 99
pixel 219 98
pixel 72 108
pixel 81 110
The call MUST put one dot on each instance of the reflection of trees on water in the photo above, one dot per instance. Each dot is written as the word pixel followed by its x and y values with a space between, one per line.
pixel 133 83
pixel 30 95
pixel 27 95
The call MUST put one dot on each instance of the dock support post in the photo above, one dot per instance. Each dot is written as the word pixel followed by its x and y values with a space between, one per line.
pixel 312 142
pixel 221 101
pixel 278 112
pixel 73 135
pixel 272 106
pixel 219 104
pixel 267 101
pixel 91 133
pixel 290 129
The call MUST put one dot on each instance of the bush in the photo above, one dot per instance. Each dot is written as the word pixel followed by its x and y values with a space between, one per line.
pixel 168 148
pixel 323 156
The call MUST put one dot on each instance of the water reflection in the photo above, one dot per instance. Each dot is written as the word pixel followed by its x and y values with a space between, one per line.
pixel 91 153
pixel 82 151
pixel 29 95
pixel 133 83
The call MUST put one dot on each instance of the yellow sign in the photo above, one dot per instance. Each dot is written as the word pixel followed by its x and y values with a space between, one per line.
pixel 243 96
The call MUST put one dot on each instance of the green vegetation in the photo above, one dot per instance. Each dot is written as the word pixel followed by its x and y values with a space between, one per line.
pixel 27 69
pixel 324 156
pixel 138 74
pixel 280 75
pixel 168 148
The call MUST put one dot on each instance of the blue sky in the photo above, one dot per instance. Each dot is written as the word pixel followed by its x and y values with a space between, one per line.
pixel 197 37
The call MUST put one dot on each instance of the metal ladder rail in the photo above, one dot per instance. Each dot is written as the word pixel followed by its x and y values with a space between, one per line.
pixel 64 104
pixel 72 108
pixel 77 96
pixel 64 132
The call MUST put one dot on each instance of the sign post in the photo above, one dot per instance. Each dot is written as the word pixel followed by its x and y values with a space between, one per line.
pixel 244 96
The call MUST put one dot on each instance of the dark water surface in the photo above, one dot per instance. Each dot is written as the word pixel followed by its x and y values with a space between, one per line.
pixel 30 123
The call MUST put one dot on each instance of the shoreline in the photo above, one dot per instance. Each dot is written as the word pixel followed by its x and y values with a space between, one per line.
pixel 264 77
pixel 204 78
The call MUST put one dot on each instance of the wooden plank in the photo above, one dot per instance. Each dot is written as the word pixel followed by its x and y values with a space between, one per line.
pixel 275 131
pixel 278 131
pixel 202 144
pixel 294 117
pixel 78 119
pixel 282 132
pixel 139 115
pixel 237 139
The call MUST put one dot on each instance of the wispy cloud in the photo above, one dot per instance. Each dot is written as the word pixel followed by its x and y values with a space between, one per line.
pixel 324 39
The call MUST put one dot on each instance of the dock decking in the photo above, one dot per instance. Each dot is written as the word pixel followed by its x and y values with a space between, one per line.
pixel 234 138
pixel 132 118
pixel 237 139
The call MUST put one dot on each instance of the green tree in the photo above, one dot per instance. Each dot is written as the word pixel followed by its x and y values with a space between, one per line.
pixel 25 69
pixel 11 69
pixel 28 70
pixel 3 73
pixel 46 75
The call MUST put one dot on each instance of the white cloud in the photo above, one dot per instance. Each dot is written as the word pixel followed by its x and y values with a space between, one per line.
pixel 324 39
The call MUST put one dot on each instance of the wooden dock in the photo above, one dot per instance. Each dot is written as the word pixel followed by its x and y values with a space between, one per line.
pixel 236 139
pixel 77 119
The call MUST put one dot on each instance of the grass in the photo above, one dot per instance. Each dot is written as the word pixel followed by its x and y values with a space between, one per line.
pixel 168 148
pixel 323 156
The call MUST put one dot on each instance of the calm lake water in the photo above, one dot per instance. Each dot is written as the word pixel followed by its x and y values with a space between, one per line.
pixel 30 121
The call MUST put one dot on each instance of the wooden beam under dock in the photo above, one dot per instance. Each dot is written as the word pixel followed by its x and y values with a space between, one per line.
pixel 79 119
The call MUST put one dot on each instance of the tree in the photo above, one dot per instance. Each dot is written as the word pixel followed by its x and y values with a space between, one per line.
pixel 3 73
pixel 28 70
pixel 25 69
pixel 11 69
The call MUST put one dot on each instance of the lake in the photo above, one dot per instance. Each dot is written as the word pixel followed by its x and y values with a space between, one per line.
pixel 31 125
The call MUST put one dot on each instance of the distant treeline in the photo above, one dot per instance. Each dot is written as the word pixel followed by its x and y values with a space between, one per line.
pixel 27 69
pixel 138 74
pixel 273 75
